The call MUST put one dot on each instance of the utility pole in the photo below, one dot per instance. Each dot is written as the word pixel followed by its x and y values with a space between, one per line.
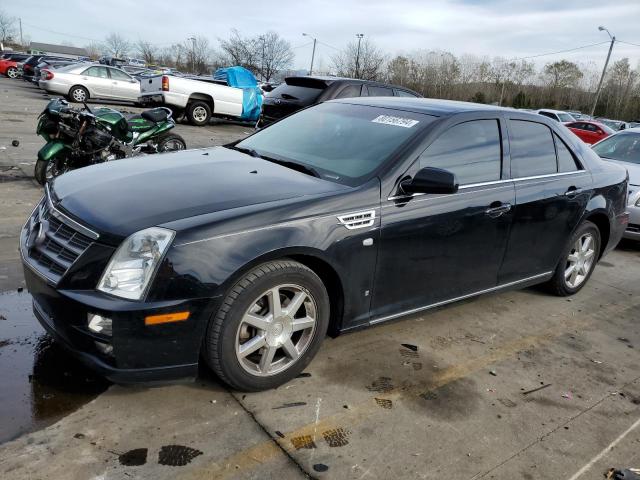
pixel 193 54
pixel 20 22
pixel 604 70
pixel 313 53
pixel 359 36
pixel 262 60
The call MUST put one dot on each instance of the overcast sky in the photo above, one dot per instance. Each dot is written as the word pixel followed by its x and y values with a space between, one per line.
pixel 511 28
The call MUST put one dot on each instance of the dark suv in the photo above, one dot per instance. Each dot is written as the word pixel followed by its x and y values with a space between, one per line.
pixel 300 92
pixel 29 65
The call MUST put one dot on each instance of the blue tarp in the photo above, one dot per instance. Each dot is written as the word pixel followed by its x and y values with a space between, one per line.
pixel 240 77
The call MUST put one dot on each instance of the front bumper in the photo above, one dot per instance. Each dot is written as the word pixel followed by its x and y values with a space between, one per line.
pixel 141 353
pixel 633 229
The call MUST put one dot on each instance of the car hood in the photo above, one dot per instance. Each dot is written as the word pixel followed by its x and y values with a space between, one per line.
pixel 121 197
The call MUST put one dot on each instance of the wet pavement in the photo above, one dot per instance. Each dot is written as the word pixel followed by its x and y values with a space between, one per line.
pixel 41 383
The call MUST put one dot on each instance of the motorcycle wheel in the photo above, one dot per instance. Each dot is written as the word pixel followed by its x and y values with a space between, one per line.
pixel 171 142
pixel 46 170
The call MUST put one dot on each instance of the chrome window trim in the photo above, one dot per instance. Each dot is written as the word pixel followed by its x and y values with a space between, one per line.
pixel 463 297
pixel 494 182
pixel 70 222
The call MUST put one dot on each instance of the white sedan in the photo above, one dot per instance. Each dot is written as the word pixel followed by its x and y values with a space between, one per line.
pixel 80 82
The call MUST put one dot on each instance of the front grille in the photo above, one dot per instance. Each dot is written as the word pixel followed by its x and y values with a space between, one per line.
pixel 51 244
pixel 633 228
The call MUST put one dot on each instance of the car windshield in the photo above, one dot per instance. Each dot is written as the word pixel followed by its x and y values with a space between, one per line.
pixel 624 147
pixel 565 117
pixel 343 143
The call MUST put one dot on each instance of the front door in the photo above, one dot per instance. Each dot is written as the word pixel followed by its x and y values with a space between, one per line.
pixel 435 248
pixel 552 190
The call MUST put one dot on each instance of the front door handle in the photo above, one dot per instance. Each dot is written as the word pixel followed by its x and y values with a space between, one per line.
pixel 497 209
pixel 572 191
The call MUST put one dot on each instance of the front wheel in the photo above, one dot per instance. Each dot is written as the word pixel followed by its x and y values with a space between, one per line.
pixel 12 72
pixel 171 142
pixel 578 261
pixel 47 170
pixel 269 326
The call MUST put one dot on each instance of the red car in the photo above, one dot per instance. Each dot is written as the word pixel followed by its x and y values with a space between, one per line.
pixel 589 132
pixel 9 68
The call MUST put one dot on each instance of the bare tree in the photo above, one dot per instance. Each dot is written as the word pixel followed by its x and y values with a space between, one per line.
pixel 562 74
pixel 198 53
pixel 276 54
pixel 242 51
pixel 117 45
pixel 370 60
pixel 146 50
pixel 94 49
pixel 7 26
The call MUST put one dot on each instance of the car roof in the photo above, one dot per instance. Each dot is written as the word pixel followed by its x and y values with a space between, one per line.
pixel 328 80
pixel 429 106
pixel 552 110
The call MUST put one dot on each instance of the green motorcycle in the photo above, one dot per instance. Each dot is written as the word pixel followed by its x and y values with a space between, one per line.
pixel 78 138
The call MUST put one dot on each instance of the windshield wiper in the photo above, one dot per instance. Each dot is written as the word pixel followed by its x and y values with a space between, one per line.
pixel 248 151
pixel 295 166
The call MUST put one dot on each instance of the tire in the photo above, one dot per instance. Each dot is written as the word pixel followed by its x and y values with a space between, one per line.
pixel 78 94
pixel 583 262
pixel 198 113
pixel 40 171
pixel 171 142
pixel 251 299
pixel 12 72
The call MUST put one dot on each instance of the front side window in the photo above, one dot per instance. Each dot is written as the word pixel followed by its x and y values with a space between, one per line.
pixel 343 143
pixel 532 149
pixel 100 72
pixel 472 150
pixel 119 75
pixel 624 147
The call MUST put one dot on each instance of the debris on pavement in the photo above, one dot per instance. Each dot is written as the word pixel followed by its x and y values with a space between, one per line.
pixel 280 434
pixel 568 396
pixel 410 347
pixel 623 474
pixel 320 467
pixel 527 392
pixel 15 143
pixel 304 375
pixel 288 405
pixel 493 372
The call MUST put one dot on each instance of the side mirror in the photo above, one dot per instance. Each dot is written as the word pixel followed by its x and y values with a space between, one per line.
pixel 431 180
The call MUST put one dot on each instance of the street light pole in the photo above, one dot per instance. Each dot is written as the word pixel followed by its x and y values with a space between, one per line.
pixel 604 70
pixel 313 53
pixel 193 54
pixel 359 36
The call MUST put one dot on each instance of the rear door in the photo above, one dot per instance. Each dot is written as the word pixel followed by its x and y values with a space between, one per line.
pixel 552 190
pixel 123 86
pixel 97 80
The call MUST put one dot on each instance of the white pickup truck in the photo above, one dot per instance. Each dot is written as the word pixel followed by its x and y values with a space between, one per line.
pixel 199 98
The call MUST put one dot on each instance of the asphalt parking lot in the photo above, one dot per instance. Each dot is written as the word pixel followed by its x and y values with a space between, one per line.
pixel 519 385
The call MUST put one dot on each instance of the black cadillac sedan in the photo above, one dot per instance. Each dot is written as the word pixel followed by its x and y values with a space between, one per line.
pixel 347 214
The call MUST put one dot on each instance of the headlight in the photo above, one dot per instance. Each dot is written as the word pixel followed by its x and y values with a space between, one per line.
pixel 638 202
pixel 135 262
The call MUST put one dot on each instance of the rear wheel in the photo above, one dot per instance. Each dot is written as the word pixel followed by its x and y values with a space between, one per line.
pixel 78 94
pixel 199 113
pixel 578 261
pixel 171 142
pixel 12 72
pixel 269 326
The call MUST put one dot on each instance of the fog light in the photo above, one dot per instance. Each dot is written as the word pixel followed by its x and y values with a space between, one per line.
pixel 104 348
pixel 100 324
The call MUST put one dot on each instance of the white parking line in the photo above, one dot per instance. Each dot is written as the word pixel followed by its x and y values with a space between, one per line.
pixel 605 451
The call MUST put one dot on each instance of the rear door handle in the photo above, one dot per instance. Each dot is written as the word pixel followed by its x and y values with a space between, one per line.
pixel 496 209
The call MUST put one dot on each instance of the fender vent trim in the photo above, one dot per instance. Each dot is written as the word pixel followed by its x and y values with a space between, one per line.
pixel 353 221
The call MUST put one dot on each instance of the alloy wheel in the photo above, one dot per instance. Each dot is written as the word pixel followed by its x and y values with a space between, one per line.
pixel 79 95
pixel 12 73
pixel 276 330
pixel 580 261
pixel 199 114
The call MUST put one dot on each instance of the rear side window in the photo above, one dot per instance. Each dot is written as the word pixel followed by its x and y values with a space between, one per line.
pixel 375 91
pixel 472 150
pixel 532 149
pixel 566 160
pixel 349 91
pixel 305 95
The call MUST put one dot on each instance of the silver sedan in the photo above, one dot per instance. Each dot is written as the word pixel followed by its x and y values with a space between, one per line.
pixel 80 82
pixel 624 148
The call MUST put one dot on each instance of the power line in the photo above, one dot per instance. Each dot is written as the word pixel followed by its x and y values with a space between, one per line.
pixel 327 45
pixel 628 43
pixel 562 51
pixel 60 33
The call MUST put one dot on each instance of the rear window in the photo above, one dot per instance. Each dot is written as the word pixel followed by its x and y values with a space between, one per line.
pixel 565 117
pixel 624 147
pixel 305 95
pixel 375 91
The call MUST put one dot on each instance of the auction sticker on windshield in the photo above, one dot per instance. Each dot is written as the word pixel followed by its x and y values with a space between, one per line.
pixel 397 121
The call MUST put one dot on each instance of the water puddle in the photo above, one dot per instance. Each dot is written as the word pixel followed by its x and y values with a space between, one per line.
pixel 40 382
